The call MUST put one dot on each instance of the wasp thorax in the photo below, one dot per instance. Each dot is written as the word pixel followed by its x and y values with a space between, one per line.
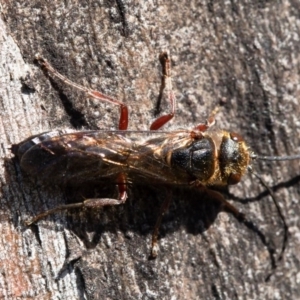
pixel 197 159
pixel 234 158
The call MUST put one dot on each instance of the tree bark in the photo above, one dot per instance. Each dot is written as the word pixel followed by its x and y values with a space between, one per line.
pixel 244 54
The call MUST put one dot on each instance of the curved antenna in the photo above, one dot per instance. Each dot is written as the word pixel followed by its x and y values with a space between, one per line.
pixel 285 236
pixel 277 158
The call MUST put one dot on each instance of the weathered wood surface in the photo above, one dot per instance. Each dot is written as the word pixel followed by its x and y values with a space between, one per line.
pixel 245 53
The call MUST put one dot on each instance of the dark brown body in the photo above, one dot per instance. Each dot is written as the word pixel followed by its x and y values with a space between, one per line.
pixel 177 158
pixel 198 157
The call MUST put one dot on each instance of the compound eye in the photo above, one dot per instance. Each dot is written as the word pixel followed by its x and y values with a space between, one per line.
pixel 236 137
pixel 233 179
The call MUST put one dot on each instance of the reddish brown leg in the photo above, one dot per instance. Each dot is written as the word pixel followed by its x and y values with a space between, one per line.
pixel 209 122
pixel 123 124
pixel 166 83
pixel 157 124
pixel 225 204
pixel 164 208
pixel 123 121
pixel 88 203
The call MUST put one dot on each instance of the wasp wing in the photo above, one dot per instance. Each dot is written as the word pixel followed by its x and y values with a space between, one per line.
pixel 75 157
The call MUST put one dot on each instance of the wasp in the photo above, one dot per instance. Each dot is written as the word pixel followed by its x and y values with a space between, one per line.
pixel 199 158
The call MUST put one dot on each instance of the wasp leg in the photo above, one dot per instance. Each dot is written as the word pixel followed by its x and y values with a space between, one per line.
pixel 166 83
pixel 88 203
pixel 209 122
pixel 123 121
pixel 225 204
pixel 108 201
pixel 164 208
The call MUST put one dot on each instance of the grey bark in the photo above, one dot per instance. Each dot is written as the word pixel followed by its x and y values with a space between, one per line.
pixel 243 53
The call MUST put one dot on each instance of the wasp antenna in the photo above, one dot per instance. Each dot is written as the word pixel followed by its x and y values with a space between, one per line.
pixel 278 158
pixel 285 227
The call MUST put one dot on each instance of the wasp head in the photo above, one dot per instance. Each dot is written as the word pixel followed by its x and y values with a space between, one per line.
pixel 234 158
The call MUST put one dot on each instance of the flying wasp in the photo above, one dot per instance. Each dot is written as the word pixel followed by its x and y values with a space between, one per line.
pixel 199 158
